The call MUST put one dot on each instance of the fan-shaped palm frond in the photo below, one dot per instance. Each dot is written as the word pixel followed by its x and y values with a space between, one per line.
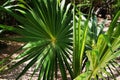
pixel 46 28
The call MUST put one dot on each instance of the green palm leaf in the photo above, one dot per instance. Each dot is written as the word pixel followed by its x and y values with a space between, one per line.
pixel 46 27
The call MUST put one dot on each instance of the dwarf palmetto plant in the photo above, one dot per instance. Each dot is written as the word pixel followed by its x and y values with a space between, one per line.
pixel 46 28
